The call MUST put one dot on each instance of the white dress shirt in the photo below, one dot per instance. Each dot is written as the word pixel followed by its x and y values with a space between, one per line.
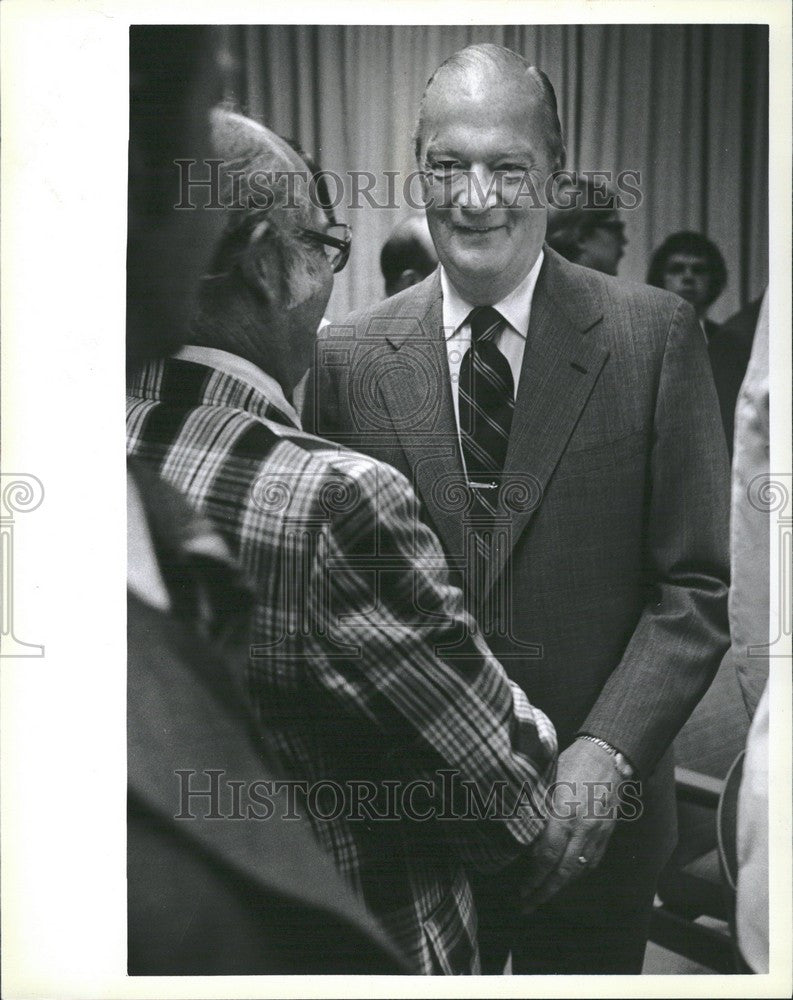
pixel 516 310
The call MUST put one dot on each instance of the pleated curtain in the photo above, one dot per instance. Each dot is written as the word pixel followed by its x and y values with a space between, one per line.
pixel 685 106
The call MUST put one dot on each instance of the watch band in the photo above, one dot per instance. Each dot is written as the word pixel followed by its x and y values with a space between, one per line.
pixel 621 763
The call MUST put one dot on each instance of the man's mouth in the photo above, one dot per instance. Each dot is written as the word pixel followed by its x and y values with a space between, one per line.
pixel 479 229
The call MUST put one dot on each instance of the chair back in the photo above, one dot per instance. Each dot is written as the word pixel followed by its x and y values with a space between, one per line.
pixel 727 825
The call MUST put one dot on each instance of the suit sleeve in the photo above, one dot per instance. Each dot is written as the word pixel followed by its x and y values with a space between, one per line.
pixel 682 633
pixel 420 680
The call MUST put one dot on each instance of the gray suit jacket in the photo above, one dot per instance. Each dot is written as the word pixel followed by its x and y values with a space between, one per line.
pixel 605 590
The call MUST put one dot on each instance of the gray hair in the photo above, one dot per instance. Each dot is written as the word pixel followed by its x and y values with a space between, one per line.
pixel 495 58
pixel 252 155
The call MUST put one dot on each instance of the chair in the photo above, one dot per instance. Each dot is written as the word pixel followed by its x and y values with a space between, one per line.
pixel 699 880
pixel 694 915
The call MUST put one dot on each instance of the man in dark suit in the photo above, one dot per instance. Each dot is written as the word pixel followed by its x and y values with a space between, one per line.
pixel 567 450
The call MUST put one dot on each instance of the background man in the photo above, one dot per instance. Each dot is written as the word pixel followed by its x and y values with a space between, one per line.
pixel 571 438
pixel 585 227
pixel 408 255
pixel 365 666
pixel 691 266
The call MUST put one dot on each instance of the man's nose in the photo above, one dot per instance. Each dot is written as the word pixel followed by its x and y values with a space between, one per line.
pixel 479 193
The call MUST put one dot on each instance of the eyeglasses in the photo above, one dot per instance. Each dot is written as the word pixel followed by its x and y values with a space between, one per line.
pixel 336 240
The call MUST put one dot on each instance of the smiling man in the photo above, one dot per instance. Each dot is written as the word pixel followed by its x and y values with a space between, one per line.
pixel 486 163
pixel 562 432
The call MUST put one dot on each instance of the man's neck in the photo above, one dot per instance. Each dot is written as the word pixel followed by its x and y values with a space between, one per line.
pixel 488 294
pixel 238 324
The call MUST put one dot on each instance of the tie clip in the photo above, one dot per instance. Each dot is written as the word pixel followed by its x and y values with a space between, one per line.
pixel 483 486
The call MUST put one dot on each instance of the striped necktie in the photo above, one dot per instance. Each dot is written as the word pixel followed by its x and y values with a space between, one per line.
pixel 486 396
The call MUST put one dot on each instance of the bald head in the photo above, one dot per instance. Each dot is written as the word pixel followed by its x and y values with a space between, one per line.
pixel 269 283
pixel 477 69
pixel 256 155
pixel 260 203
pixel 488 142
pixel 237 138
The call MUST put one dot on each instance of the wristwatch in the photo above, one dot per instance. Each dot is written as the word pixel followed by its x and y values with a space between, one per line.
pixel 624 768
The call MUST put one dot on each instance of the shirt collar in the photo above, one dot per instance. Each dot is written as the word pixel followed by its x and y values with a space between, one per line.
pixel 515 307
pixel 243 370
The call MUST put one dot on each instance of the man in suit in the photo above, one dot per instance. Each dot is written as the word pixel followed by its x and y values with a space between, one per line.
pixel 207 895
pixel 366 673
pixel 567 450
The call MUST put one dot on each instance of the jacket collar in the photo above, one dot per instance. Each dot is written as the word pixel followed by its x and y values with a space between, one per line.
pixel 205 376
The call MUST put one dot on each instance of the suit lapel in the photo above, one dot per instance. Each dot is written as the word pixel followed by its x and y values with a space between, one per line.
pixel 416 391
pixel 560 368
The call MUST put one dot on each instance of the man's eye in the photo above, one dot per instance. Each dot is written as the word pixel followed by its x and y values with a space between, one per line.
pixel 512 169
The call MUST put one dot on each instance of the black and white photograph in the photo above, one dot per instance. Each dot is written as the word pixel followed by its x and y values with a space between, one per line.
pixel 402 587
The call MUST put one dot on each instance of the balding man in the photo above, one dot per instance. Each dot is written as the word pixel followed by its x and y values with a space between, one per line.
pixel 562 432
pixel 408 255
pixel 416 756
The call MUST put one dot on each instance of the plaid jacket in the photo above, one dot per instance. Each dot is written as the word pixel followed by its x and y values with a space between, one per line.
pixel 419 757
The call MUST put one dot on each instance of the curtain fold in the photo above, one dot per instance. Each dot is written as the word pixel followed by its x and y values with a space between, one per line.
pixel 686 106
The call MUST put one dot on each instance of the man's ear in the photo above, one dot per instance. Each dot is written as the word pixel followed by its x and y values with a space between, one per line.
pixel 260 263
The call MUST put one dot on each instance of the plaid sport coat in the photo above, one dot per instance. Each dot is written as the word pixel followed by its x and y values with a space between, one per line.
pixel 418 757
